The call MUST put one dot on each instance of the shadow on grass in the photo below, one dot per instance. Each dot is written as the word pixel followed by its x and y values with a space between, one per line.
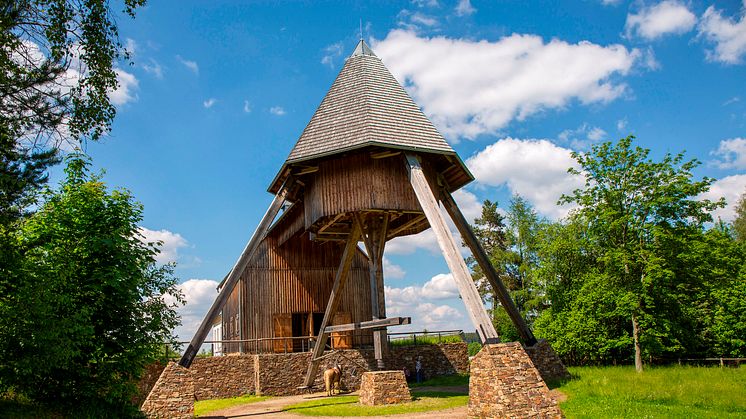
pixel 417 395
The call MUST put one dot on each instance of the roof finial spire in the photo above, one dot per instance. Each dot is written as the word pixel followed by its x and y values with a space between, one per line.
pixel 361 29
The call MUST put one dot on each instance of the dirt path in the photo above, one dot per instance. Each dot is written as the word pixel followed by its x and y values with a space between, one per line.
pixel 272 408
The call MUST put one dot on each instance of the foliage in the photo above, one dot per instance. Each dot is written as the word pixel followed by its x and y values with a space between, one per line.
pixel 203 407
pixel 348 405
pixel 639 213
pixel 87 308
pixel 57 62
pixel 739 223
pixel 432 339
pixel 474 348
pixel 512 249
pixel 662 392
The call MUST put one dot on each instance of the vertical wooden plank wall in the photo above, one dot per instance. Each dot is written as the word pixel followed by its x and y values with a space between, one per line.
pixel 295 277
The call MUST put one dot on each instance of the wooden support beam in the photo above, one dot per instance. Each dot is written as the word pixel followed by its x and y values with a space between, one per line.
pixel 330 223
pixel 235 274
pixel 489 271
pixel 411 223
pixel 374 237
pixel 447 243
pixel 372 324
pixel 334 298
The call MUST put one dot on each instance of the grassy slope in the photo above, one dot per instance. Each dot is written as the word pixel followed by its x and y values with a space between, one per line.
pixel 349 406
pixel 203 407
pixel 663 392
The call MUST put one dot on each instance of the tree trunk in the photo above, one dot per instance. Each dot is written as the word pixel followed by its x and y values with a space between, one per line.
pixel 636 338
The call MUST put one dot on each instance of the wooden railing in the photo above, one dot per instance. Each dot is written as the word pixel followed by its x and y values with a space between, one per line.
pixel 305 343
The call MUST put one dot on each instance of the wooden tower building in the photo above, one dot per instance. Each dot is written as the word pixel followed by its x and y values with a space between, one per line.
pixel 368 167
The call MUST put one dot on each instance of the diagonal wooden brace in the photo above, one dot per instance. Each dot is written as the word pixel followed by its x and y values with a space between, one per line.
pixel 447 243
pixel 235 274
pixel 331 307
pixel 489 271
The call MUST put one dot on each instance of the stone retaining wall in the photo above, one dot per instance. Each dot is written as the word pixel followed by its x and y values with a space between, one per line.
pixel 547 361
pixel 282 374
pixel 219 377
pixel 384 387
pixel 504 383
pixel 172 395
pixel 437 360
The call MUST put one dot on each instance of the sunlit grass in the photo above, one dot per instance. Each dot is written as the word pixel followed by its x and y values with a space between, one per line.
pixel 204 407
pixel 659 392
pixel 349 406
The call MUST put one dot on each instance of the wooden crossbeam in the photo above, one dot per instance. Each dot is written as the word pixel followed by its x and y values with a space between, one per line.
pixel 411 223
pixel 489 271
pixel 334 298
pixel 235 274
pixel 372 324
pixel 447 243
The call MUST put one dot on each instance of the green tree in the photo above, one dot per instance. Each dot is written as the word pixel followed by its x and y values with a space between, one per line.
pixel 634 207
pixel 739 223
pixel 512 249
pixel 89 306
pixel 489 229
pixel 57 68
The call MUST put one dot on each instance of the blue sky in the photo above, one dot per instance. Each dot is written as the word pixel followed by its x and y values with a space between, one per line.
pixel 220 91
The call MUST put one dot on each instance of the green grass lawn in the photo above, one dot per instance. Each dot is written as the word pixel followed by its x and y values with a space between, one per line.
pixel 426 340
pixel 660 392
pixel 444 381
pixel 204 407
pixel 348 405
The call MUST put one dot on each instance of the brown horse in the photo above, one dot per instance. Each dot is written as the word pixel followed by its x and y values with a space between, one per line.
pixel 332 377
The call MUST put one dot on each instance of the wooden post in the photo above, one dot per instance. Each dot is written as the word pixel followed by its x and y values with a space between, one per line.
pixel 447 243
pixel 235 274
pixel 334 299
pixel 489 271
pixel 374 238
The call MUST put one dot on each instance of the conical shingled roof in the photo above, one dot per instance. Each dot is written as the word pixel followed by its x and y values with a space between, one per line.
pixel 366 106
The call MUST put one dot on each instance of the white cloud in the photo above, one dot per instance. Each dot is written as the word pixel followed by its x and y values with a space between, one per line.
pixel 170 243
pixel 126 85
pixel 440 287
pixel 621 124
pixel 153 68
pixel 191 65
pixel 468 203
pixel 582 137
pixel 731 188
pixel 480 86
pixel 406 245
pixel 728 35
pixel 426 3
pixel 731 154
pixel 534 169
pixel 464 8
pixel 199 295
pixel 277 110
pixel 246 106
pixel 414 21
pixel 131 46
pixel 734 99
pixel 332 53
pixel 425 305
pixel 666 17
pixel 610 2
pixel 392 270
pixel 209 102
